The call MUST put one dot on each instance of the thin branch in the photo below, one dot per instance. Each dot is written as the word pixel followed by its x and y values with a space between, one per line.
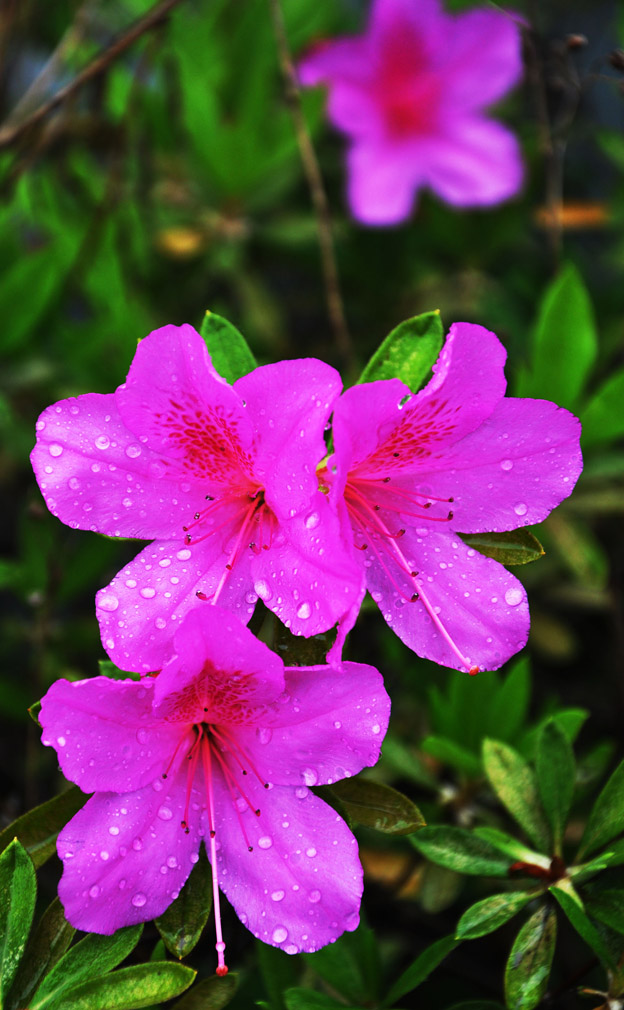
pixel 9 133
pixel 314 178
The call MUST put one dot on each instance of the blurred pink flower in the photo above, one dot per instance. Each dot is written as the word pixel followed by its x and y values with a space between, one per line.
pixel 410 94
pixel 222 479
pixel 221 747
pixel 413 469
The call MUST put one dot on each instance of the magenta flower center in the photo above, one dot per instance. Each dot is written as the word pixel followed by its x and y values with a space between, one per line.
pixel 405 90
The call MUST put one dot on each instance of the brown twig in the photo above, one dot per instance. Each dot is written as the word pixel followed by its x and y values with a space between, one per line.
pixel 314 178
pixel 9 133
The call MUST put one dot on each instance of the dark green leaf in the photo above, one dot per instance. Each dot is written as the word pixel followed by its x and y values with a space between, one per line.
pixel 528 965
pixel 564 343
pixel 211 994
pixel 608 907
pixel 377 806
pixel 570 720
pixel 305 999
pixel 515 547
pixel 408 352
pixel 46 946
pixel 92 957
pixel 421 968
pixel 34 711
pixel 438 887
pixel 18 893
pixel 403 760
pixel 128 988
pixel 573 907
pixel 607 817
pixel 453 754
pixel 514 784
pixel 279 972
pixel 556 771
pixel 603 417
pixel 181 924
pixel 108 669
pixel 487 915
pixel 460 850
pixel 477 1004
pixel 510 703
pixel 37 829
pixel 346 965
pixel 512 847
pixel 227 347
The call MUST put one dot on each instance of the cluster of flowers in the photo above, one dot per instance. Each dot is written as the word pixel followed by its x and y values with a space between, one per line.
pixel 235 487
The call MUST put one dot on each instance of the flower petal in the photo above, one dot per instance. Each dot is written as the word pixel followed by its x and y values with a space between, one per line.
pixel 382 181
pixel 301 886
pixel 481 605
pixel 483 58
pixel 332 727
pixel 125 857
pixel 96 474
pixel 473 162
pixel 105 734
pixel 513 471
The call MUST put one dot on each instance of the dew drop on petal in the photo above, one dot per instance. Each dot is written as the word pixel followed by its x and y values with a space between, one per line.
pixel 55 449
pixel 104 855
pixel 160 622
pixel 312 520
pixel 311 852
pixel 264 734
pixel 265 842
pixel 165 814
pixel 108 601
pixel 113 830
pixel 263 590
pixel 314 897
pixel 506 464
pixel 61 741
pixel 102 442
pixel 513 597
pixel 304 611
pixel 142 735
pixel 310 776
pixel 183 555
pixel 147 592
pixel 279 934
pixel 138 899
pixel 133 451
pixel 94 891
pixel 301 792
pixel 520 508
pixel 277 895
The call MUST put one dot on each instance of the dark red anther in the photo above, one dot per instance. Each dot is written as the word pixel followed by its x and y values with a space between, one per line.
pixel 229 568
pixel 196 516
pixel 361 547
pixel 209 497
pixel 213 833
pixel 413 574
pixel 395 454
pixel 413 597
pixel 187 538
pixel 257 812
pixel 450 515
pixel 451 499
pixel 250 848
pixel 473 671
pixel 221 970
pixel 200 595
pixel 386 480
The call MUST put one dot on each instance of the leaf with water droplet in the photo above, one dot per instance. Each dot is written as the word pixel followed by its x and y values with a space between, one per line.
pixel 182 923
pixel 37 829
pixel 409 352
pixel 528 965
pixel 375 805
pixel 18 892
pixel 227 347
pixel 513 547
pixel 128 988
pixel 108 669
pixel 211 994
pixel 45 947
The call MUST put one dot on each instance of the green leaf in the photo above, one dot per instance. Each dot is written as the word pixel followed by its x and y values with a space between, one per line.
pixel 408 352
pixel 305 999
pixel 569 720
pixel 128 988
pixel 608 907
pixel 460 850
pixel 34 711
pixel 227 347
pixel 37 829
pixel 92 957
pixel 18 893
pixel 528 965
pixel 512 847
pixel 607 817
pixel 453 754
pixel 510 703
pixel 603 417
pixel 556 770
pixel 405 762
pixel 574 909
pixel 45 947
pixel 181 924
pixel 211 994
pixel 279 972
pixel 565 342
pixel 421 968
pixel 350 966
pixel 514 784
pixel 377 806
pixel 108 669
pixel 487 915
pixel 515 547
pixel 477 1004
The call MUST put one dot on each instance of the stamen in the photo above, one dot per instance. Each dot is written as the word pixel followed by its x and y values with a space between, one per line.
pixel 173 757
pixel 235 749
pixel 222 968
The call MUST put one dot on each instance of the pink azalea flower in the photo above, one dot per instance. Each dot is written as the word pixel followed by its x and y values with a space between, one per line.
pixel 220 747
pixel 414 469
pixel 410 95
pixel 221 477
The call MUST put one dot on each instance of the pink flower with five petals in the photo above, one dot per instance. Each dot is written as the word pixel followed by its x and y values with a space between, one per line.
pixel 221 478
pixel 410 94
pixel 413 470
pixel 221 748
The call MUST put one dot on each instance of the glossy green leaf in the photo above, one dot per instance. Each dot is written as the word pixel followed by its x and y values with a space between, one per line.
pixel 514 784
pixel 92 957
pixel 18 893
pixel 181 924
pixel 487 915
pixel 406 762
pixel 305 999
pixel 227 347
pixel 607 817
pixel 45 947
pixel 420 969
pixel 460 850
pixel 409 352
pixel 377 806
pixel 512 847
pixel 211 994
pixel 556 770
pixel 453 754
pixel 127 989
pixel 528 965
pixel 278 970
pixel 569 720
pixel 513 547
pixel 608 907
pixel 613 855
pixel 603 417
pixel 510 703
pixel 564 343
pixel 574 909
pixel 37 829
pixel 108 669
pixel 350 966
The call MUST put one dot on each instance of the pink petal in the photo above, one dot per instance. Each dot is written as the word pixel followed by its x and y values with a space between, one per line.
pixel 332 728
pixel 105 734
pixel 125 857
pixel 288 404
pixel 483 56
pixel 480 604
pixel 382 182
pixel 473 162
pixel 184 410
pixel 423 24
pixel 336 61
pixel 513 471
pixel 301 886
pixel 95 474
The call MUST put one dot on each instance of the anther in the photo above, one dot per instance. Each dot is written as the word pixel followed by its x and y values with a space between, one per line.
pixel 196 516
pixel 450 515
pixel 209 497
pixel 164 775
pixel 187 538
pixel 184 825
pixel 200 595
pixel 386 480
pixel 221 970
pixel 473 671
pixel 250 848
pixel 395 454
pixel 414 597
pixel 450 499
pixel 361 547
pixel 257 812
pixel 213 834
pixel 229 568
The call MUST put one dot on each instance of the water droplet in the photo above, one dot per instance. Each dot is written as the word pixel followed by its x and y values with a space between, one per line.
pixel 263 590
pixel 301 792
pixel 94 891
pixel 513 597
pixel 165 814
pixel 137 845
pixel 61 741
pixel 142 735
pixel 265 842
pixel 40 425
pixel 73 483
pixel 279 934
pixel 376 728
pixel 506 464
pixel 102 442
pixel 122 884
pixel 160 622
pixel 304 611
pixel 113 830
pixel 337 724
pixel 108 601
pixel 264 734
pixel 138 899
pixel 133 451
pixel 147 592
pixel 183 555
pixel 277 895
pixel 104 855
pixel 311 852
pixel 310 776
pixel 314 897
pixel 172 862
pixel 312 520
pixel 520 508
pixel 55 449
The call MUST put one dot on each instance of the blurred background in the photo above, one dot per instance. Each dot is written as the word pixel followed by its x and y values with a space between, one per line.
pixel 167 180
